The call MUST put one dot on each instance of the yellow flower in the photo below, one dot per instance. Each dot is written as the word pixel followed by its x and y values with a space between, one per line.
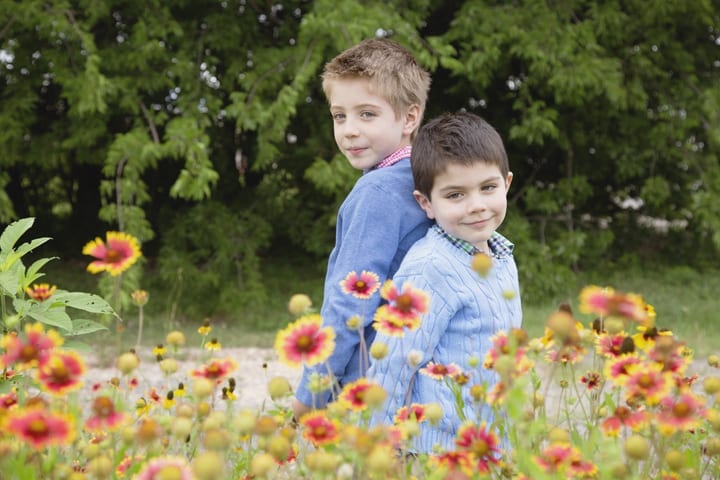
pixel 205 328
pixel 213 345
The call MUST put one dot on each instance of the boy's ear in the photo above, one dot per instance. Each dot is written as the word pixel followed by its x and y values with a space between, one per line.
pixel 412 119
pixel 508 181
pixel 424 203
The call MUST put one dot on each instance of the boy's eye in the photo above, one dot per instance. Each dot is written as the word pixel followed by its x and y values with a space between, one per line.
pixel 338 116
pixel 453 195
pixel 366 115
pixel 488 188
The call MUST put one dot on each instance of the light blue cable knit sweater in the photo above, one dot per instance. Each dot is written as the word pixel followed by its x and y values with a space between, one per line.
pixel 377 224
pixel 465 311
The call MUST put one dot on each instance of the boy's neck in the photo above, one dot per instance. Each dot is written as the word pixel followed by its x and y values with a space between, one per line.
pixel 399 154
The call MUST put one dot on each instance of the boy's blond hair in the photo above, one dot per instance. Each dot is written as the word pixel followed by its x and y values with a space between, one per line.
pixel 392 72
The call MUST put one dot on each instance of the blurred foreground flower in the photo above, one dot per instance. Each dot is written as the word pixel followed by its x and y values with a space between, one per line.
pixel 41 291
pixel 116 255
pixel 361 286
pixel 305 341
pixel 41 428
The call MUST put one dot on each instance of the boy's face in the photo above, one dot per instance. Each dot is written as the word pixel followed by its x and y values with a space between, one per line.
pixel 365 126
pixel 468 202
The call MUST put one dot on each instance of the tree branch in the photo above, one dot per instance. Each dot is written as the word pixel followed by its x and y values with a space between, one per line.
pixel 151 124
pixel 6 28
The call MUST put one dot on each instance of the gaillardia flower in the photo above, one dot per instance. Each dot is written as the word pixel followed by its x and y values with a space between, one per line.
pixel 62 372
pixel 119 252
pixel 319 429
pixel 31 351
pixel 353 394
pixel 481 442
pixel 41 291
pixel 408 304
pixel 165 467
pixel 305 341
pixel 216 370
pixel 360 286
pixel 439 371
pixel 104 416
pixel 41 428
pixel 608 302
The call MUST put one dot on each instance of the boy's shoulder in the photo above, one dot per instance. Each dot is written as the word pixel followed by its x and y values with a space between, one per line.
pixel 396 179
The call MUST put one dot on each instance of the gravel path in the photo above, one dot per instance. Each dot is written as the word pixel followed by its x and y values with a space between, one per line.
pixel 256 366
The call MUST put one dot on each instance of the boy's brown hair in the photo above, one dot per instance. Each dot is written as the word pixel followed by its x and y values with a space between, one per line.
pixel 458 138
pixel 392 72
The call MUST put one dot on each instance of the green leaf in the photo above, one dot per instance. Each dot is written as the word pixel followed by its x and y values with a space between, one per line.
pixel 14 231
pixel 83 326
pixel 22 250
pixel 54 317
pixel 82 301
pixel 75 344
pixel 33 271
pixel 10 281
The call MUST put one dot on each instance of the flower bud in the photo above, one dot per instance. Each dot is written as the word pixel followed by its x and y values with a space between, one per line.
pixel 127 362
pixel 208 466
pixel 175 339
pixel 637 447
pixel 202 387
pixel 378 350
pixel 481 263
pixel 711 385
pixel 182 427
pixel 433 413
pixel 100 467
pixel 298 304
pixel 279 447
pixel 279 387
pixel 168 366
pixel 675 460
pixel 380 460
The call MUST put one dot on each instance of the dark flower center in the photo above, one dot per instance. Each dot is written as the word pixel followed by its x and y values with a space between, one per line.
pixel 404 303
pixel 38 427
pixel 60 373
pixel 304 342
pixel 103 407
pixel 28 353
pixel 645 381
pixel 113 256
pixel 681 410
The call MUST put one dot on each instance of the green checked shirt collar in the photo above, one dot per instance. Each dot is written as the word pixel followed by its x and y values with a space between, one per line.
pixel 499 245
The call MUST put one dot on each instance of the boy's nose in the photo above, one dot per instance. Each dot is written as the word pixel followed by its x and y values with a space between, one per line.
pixel 350 129
pixel 476 203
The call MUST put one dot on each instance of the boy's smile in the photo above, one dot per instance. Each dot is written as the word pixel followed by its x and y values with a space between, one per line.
pixel 365 125
pixel 469 202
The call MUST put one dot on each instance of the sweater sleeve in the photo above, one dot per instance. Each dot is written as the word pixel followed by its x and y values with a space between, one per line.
pixel 369 230
pixel 394 373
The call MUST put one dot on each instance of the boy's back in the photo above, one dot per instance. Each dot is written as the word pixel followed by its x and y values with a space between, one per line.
pixel 377 95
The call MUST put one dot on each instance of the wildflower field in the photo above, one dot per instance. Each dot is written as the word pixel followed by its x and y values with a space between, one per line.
pixel 618 397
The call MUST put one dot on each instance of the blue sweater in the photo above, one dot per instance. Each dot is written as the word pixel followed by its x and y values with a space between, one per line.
pixel 465 311
pixel 377 224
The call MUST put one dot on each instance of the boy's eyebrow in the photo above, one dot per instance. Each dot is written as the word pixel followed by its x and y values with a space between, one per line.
pixel 356 107
pixel 494 178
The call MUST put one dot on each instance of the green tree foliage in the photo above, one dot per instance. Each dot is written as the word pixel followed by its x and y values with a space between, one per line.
pixel 131 115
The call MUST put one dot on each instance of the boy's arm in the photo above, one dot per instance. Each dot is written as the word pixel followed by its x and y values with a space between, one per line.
pixel 369 231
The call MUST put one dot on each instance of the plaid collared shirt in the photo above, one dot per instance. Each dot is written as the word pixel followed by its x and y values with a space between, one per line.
pixel 400 153
pixel 499 245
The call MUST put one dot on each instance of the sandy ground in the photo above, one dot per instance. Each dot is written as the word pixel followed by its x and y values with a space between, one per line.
pixel 256 366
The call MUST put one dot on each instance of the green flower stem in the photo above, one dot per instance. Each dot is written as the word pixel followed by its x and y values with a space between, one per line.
pixel 140 326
